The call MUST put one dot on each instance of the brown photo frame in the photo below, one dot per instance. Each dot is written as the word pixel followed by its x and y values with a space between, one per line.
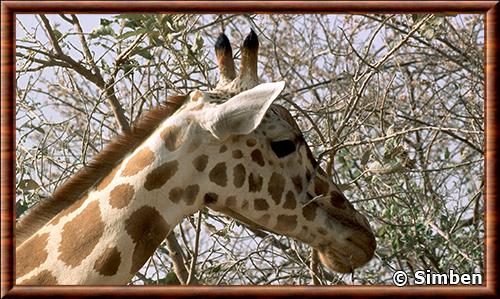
pixel 11 8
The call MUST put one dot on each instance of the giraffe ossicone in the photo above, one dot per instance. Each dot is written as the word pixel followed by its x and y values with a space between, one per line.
pixel 230 149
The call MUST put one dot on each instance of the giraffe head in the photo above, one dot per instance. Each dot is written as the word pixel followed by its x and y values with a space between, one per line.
pixel 230 149
pixel 256 166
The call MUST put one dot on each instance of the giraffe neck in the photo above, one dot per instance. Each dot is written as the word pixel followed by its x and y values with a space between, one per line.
pixel 107 235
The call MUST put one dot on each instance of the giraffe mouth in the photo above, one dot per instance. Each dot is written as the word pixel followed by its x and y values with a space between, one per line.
pixel 346 255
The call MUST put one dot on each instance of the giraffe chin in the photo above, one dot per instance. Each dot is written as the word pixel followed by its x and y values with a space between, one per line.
pixel 347 264
pixel 354 252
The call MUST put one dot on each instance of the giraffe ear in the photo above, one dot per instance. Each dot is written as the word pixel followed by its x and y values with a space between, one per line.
pixel 242 113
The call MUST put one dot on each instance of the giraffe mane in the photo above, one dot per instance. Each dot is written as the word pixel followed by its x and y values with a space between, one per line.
pixel 101 165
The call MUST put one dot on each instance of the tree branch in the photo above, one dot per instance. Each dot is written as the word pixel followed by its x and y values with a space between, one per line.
pixel 97 79
pixel 192 269
pixel 175 253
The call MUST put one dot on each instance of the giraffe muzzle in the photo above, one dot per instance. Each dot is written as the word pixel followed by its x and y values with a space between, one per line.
pixel 354 246
pixel 349 252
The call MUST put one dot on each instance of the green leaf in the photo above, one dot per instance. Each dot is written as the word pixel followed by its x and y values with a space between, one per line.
pixel 39 130
pixel 343 152
pixel 170 279
pixel 221 232
pixel 102 31
pixel 105 22
pixel 21 207
pixel 128 66
pixel 365 157
pixel 215 270
pixel 28 184
pixel 199 41
pixel 211 227
pixel 446 153
pixel 132 33
pixel 58 34
pixel 143 52
pixel 131 16
pixel 132 20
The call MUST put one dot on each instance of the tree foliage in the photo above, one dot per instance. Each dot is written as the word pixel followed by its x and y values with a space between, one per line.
pixel 391 104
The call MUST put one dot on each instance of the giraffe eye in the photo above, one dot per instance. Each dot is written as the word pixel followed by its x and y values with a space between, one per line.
pixel 283 148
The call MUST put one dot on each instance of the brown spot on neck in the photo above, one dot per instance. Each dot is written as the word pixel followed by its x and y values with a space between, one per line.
pixel 196 96
pixel 251 142
pixel 195 143
pixel 320 186
pixel 290 202
pixel 337 200
pixel 31 254
pixel 276 186
pixel 148 229
pixel 200 162
pixel 175 194
pixel 322 231
pixel 297 183
pixel 121 196
pixel 264 219
pixel 160 175
pixel 286 223
pixel 309 211
pixel 239 175
pixel 254 182
pixel 218 174
pixel 231 202
pixel 138 162
pixel 244 205
pixel 80 235
pixel 223 148
pixel 108 262
pixel 257 157
pixel 45 277
pixel 69 210
pixel 190 194
pixel 260 204
pixel 173 137
pixel 237 154
pixel 210 198
pixel 308 175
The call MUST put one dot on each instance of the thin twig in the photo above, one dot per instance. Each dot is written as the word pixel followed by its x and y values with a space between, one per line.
pixel 314 264
pixel 179 264
pixel 97 79
pixel 192 269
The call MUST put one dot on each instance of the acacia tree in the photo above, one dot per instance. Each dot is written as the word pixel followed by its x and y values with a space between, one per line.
pixel 392 106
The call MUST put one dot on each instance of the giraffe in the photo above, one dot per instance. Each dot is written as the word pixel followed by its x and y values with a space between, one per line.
pixel 229 149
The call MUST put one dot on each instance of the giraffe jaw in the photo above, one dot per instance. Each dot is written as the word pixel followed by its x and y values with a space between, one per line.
pixel 344 262
pixel 351 252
